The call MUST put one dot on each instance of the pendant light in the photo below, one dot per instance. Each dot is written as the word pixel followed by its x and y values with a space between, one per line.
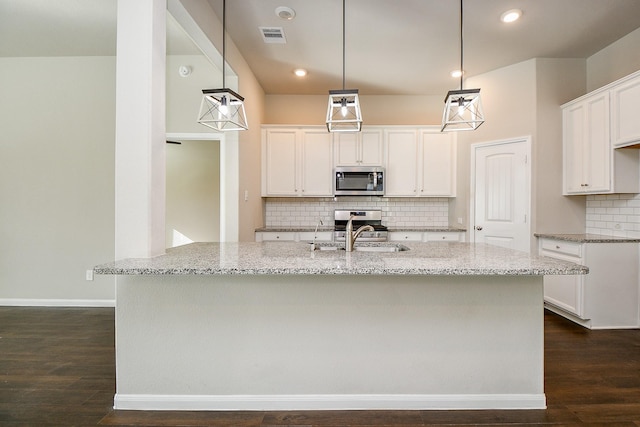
pixel 343 112
pixel 463 108
pixel 222 109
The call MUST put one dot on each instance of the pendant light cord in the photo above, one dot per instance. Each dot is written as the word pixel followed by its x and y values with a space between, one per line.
pixel 343 44
pixel 224 38
pixel 461 45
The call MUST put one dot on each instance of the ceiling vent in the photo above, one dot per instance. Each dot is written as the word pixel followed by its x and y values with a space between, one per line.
pixel 272 34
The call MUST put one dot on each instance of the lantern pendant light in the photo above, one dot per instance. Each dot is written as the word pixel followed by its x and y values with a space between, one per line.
pixel 463 108
pixel 343 112
pixel 222 109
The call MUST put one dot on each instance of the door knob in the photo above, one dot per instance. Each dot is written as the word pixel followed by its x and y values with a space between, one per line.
pixel 479 227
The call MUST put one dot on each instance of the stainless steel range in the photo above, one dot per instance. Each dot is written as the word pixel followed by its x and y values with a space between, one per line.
pixel 360 218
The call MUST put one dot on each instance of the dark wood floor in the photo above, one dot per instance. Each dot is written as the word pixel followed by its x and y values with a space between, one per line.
pixel 57 369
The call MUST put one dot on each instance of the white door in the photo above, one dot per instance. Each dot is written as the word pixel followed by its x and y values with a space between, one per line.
pixel 502 194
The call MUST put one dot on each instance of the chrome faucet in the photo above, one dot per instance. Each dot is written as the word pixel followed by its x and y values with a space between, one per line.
pixel 350 236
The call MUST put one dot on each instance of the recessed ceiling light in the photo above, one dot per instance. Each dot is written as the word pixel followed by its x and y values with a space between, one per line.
pixel 456 73
pixel 511 15
pixel 285 13
pixel 300 72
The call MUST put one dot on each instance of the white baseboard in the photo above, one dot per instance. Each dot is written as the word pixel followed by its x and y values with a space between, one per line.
pixel 326 402
pixel 20 302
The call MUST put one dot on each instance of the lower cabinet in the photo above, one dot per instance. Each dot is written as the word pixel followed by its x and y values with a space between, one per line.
pixel 607 297
pixel 293 236
pixel 426 236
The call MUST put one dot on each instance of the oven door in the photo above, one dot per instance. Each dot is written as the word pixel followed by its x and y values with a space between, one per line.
pixel 358 182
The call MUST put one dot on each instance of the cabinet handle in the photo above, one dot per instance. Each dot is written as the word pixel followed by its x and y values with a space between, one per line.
pixel 557 247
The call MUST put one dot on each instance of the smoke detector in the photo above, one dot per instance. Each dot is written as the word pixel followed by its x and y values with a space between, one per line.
pixel 285 13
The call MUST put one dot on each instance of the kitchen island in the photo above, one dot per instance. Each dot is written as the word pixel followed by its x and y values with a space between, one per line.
pixel 277 326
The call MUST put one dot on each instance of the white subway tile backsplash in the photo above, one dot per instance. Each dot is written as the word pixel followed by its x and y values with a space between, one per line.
pixel 614 215
pixel 396 212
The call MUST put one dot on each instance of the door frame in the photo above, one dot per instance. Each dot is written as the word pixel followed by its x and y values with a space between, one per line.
pixel 472 190
pixel 229 227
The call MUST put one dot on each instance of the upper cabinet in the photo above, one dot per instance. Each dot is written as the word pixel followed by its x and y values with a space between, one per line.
pixel 587 152
pixel 421 162
pixel 297 162
pixel 625 113
pixel 358 148
pixel 595 126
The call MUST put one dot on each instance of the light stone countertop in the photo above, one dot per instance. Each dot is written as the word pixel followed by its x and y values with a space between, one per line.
pixel 281 229
pixel 293 258
pixel 587 238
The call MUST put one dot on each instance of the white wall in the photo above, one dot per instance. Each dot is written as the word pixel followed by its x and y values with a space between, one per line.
pixel 57 172
pixel 617 60
pixel 56 177
pixel 376 109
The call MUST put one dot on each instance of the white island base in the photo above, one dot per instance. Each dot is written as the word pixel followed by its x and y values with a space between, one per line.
pixel 306 342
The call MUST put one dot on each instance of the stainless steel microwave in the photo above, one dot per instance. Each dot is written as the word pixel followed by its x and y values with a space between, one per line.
pixel 358 181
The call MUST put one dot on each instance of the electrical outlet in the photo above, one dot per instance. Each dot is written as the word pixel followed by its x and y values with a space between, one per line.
pixel 89 275
pixel 246 195
pixel 460 220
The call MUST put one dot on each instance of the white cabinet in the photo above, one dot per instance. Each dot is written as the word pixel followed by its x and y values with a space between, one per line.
pixel 438 164
pixel 275 236
pixel 587 152
pixel 401 170
pixel 595 126
pixel 358 148
pixel 420 163
pixel 296 162
pixel 625 114
pixel 605 298
pixel 405 236
pixel 426 236
pixel 293 236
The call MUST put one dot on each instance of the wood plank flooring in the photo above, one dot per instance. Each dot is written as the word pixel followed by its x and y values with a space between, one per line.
pixel 57 368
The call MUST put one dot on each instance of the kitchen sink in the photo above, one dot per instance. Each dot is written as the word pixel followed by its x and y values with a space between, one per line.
pixel 362 247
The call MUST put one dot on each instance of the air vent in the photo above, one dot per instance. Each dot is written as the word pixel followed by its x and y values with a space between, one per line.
pixel 272 34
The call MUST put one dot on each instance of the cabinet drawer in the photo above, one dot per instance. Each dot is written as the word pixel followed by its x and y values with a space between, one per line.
pixel 572 249
pixel 442 237
pixel 283 236
pixel 410 236
pixel 321 236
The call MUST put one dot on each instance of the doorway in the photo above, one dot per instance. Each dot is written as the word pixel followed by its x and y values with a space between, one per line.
pixel 193 208
pixel 501 193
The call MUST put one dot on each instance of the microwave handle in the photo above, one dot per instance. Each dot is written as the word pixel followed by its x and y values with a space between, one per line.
pixel 375 180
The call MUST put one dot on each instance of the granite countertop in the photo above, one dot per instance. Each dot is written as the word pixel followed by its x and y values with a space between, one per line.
pixel 587 238
pixel 292 258
pixel 281 229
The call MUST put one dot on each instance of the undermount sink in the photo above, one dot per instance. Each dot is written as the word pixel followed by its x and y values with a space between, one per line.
pixel 363 247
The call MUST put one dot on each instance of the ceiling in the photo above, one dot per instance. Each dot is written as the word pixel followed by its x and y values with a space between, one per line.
pixel 392 46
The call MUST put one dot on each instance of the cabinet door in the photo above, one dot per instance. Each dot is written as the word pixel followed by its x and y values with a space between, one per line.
pixel 573 119
pixel 625 126
pixel 586 144
pixel 438 164
pixel 359 149
pixel 347 149
pixel 598 148
pixel 316 165
pixel 371 147
pixel 402 163
pixel 565 292
pixel 280 162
